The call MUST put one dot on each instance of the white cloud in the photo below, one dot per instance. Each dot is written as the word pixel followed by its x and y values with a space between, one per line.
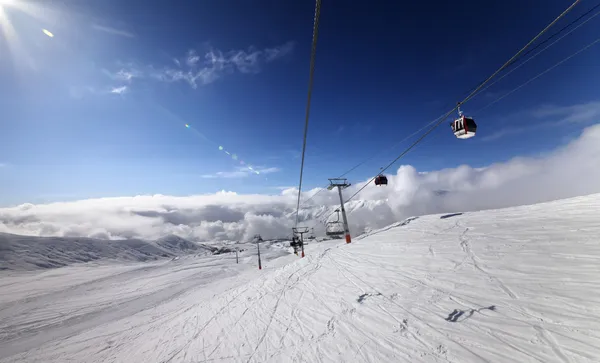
pixel 119 90
pixel 113 31
pixel 128 76
pixel 246 62
pixel 586 112
pixel 272 54
pixel 127 73
pixel 568 171
pixel 242 172
pixel 197 70
pixel 550 116
pixel 192 58
pixel 224 215
pixel 514 130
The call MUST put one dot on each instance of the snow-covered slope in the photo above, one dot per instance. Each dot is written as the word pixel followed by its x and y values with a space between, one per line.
pixel 28 252
pixel 510 285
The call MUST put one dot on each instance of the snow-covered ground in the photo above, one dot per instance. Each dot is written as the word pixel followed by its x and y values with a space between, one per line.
pixel 31 253
pixel 511 285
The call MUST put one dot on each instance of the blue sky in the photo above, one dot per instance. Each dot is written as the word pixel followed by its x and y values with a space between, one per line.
pixel 100 108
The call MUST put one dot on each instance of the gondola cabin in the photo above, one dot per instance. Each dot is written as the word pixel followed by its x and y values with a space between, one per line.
pixel 381 180
pixel 464 127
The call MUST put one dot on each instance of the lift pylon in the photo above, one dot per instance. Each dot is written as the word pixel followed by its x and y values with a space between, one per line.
pixel 341 184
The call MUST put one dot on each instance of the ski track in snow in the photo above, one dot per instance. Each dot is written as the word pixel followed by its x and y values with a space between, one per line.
pixel 508 285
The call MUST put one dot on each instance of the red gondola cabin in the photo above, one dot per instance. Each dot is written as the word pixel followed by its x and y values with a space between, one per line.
pixel 381 180
pixel 464 127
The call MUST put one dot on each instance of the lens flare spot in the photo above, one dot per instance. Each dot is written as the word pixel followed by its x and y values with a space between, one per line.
pixel 234 157
pixel 48 33
pixel 187 125
pixel 227 152
pixel 221 148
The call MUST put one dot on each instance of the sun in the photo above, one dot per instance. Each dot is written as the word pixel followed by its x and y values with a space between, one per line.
pixel 37 12
pixel 17 16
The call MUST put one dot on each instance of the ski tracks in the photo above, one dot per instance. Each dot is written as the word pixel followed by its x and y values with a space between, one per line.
pixel 289 284
pixel 543 333
pixel 466 247
pixel 252 306
pixel 549 339
pixel 436 351
pixel 205 325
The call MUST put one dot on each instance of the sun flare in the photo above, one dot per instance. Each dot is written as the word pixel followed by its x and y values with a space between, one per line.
pixel 6 28
pixel 37 14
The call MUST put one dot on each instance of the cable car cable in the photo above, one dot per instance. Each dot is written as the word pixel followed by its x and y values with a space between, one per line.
pixel 563 29
pixel 370 158
pixel 310 86
pixel 474 92
pixel 506 74
pixel 488 105
pixel 540 74
pixel 540 44
pixel 541 51
pixel 471 95
pixel 373 156
pixel 517 55
pixel 495 101
pixel 547 39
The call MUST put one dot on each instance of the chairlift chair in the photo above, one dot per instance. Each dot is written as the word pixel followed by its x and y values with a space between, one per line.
pixel 335 229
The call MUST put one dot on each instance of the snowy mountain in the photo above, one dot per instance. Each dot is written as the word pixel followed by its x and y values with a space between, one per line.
pixel 507 285
pixel 28 252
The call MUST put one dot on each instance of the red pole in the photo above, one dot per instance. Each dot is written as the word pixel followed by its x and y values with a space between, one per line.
pixel 346 229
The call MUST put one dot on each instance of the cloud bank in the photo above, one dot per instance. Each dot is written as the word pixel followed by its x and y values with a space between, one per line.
pixel 550 116
pixel 567 172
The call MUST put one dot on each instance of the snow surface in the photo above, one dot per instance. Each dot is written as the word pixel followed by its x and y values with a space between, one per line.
pixel 29 253
pixel 511 285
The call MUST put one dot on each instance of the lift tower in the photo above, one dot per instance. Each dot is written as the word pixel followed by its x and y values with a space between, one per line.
pixel 341 184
